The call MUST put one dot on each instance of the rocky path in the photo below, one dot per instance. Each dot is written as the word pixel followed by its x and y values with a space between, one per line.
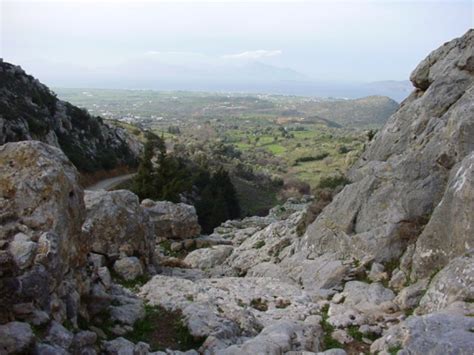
pixel 110 183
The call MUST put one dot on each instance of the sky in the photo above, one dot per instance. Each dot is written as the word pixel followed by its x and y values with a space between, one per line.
pixel 330 41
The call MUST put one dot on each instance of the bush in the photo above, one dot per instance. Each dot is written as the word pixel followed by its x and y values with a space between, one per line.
pixel 343 150
pixel 312 158
pixel 331 182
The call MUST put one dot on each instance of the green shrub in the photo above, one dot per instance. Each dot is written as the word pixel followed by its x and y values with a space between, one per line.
pixel 163 329
pixel 331 182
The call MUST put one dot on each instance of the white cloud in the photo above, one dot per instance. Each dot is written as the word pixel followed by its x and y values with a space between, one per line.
pixel 261 53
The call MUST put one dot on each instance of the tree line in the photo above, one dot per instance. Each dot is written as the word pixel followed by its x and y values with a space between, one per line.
pixel 162 176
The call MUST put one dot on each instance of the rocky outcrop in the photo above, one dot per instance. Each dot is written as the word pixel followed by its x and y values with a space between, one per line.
pixel 447 332
pixel 450 230
pixel 402 181
pixel 386 266
pixel 118 227
pixel 29 110
pixel 172 220
pixel 454 283
pixel 43 252
pixel 229 310
pixel 394 242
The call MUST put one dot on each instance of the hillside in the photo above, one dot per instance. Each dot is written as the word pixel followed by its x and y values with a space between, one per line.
pixel 148 107
pixel 385 266
pixel 29 110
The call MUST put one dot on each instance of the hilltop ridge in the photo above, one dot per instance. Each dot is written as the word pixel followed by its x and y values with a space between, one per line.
pixel 29 110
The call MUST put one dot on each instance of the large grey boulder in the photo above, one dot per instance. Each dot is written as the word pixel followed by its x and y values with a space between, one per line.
pixel 129 267
pixel 400 180
pixel 452 284
pixel 450 231
pixel 172 220
pixel 117 225
pixel 16 338
pixel 59 336
pixel 43 252
pixel 206 258
pixel 434 334
pixel 279 338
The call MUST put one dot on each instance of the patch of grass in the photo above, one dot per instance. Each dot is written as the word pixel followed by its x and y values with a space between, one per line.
pixel 105 323
pixel 259 304
pixel 331 182
pixel 409 312
pixel 353 331
pixel 166 245
pixel 163 329
pixel 39 331
pixel 134 284
pixel 394 350
pixel 328 341
pixel 259 244
pixel 276 149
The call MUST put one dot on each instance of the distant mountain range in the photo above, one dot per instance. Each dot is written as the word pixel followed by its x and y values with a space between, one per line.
pixel 203 75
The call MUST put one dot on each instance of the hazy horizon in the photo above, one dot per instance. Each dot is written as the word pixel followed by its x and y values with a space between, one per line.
pixel 219 45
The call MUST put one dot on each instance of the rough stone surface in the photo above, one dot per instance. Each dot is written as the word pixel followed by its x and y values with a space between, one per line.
pixel 129 268
pixel 119 346
pixel 23 250
pixel 43 251
pixel 403 174
pixel 281 337
pixel 409 297
pixel 172 220
pixel 206 258
pixel 118 226
pixel 453 283
pixel 59 336
pixel 15 338
pixel 435 333
pixel 230 309
pixel 450 231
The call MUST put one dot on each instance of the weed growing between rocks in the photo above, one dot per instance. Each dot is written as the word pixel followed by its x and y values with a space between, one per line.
pixel 259 304
pixel 259 244
pixel 328 341
pixel 163 329
pixel 132 285
pixel 394 350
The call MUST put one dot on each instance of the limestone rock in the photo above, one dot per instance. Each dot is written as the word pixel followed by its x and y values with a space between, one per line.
pixel 363 303
pixel 16 338
pixel 23 250
pixel 119 346
pixel 206 258
pixel 435 333
pixel 172 220
pixel 118 226
pixel 409 297
pixel 278 338
pixel 377 273
pixel 402 176
pixel 450 231
pixel 59 336
pixel 229 309
pixel 41 197
pixel 84 338
pixel 129 268
pixel 453 283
